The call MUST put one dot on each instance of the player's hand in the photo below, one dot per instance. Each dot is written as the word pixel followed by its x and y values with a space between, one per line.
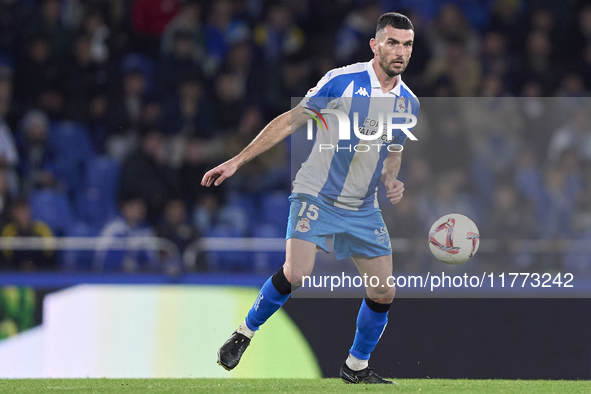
pixel 394 190
pixel 219 174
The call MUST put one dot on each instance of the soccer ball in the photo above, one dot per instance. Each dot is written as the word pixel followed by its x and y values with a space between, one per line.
pixel 454 239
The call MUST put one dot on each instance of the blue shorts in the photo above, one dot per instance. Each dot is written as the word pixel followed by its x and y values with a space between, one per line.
pixel 361 233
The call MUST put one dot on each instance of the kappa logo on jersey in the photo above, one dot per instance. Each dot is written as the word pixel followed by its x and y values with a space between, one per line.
pixel 303 225
pixel 400 105
pixel 362 92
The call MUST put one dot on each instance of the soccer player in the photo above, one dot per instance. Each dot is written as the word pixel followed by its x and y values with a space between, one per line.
pixel 335 190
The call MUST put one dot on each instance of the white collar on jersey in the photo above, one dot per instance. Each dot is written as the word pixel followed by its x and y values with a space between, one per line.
pixel 375 83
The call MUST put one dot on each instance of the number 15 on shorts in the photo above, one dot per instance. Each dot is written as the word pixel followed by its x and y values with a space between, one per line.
pixel 311 212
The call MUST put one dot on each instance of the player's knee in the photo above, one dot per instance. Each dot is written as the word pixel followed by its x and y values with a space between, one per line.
pixel 383 295
pixel 294 275
pixel 294 279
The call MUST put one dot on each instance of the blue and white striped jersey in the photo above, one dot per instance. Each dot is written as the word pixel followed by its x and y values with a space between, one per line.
pixel 348 175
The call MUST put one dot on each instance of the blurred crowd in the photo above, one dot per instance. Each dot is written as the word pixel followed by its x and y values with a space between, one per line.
pixel 111 112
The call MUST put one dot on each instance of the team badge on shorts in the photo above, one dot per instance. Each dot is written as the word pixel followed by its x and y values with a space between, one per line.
pixel 382 235
pixel 303 225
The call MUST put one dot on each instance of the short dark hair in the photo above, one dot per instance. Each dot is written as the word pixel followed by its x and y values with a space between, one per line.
pixel 394 19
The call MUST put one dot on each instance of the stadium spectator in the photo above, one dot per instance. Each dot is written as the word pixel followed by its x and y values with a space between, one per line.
pixel 210 215
pixel 419 176
pixel 9 158
pixel 572 86
pixel 265 173
pixel 48 22
pixel 131 223
pixel 278 36
pixel 555 205
pixel 528 175
pixel 403 222
pixel 97 31
pixel 5 199
pixel 538 61
pixel 356 31
pixel 176 226
pixel 230 101
pixel 145 174
pixel 184 60
pixel 36 70
pixel 507 17
pixel 151 114
pixel 576 134
pixel 95 117
pixel 285 83
pixel 449 27
pixel 241 62
pixel 195 162
pixel 539 115
pixel 497 61
pixel 508 220
pixel 22 225
pixel 188 20
pixel 461 68
pixel 571 164
pixel 188 112
pixel 85 76
pixel 14 15
pixel 583 27
pixel 445 198
pixel 38 156
pixel 449 137
pixel 125 114
pixel 223 29
pixel 578 260
pixel 149 19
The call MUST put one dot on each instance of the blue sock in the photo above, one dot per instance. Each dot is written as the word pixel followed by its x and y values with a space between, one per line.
pixel 370 326
pixel 268 302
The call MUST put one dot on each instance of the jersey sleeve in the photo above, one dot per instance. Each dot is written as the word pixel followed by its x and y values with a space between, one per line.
pixel 401 137
pixel 319 96
pixel 329 90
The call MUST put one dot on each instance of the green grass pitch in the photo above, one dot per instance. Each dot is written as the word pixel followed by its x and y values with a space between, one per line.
pixel 287 386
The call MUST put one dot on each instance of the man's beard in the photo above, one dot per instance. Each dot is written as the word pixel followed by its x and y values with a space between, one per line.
pixel 384 65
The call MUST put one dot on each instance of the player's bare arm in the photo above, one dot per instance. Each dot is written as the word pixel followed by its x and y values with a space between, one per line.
pixel 394 187
pixel 277 130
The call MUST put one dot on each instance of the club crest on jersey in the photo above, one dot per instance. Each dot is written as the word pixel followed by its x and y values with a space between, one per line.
pixel 400 104
pixel 303 225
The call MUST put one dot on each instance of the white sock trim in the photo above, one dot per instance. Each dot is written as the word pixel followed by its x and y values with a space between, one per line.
pixel 356 364
pixel 244 330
